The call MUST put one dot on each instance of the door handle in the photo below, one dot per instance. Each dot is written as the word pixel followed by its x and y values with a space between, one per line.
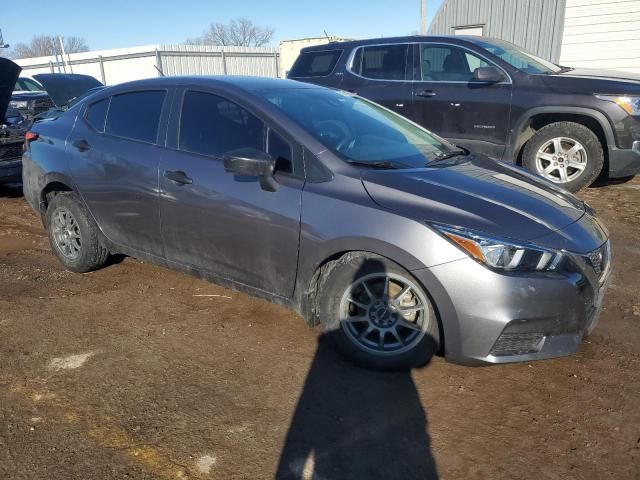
pixel 426 94
pixel 81 145
pixel 178 176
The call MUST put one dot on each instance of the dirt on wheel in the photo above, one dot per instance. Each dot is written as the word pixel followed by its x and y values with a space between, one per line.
pixel 135 371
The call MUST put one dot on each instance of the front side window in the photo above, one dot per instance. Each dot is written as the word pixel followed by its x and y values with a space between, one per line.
pixel 135 115
pixel 447 63
pixel 382 62
pixel 357 130
pixel 96 114
pixel 212 125
pixel 518 58
pixel 315 64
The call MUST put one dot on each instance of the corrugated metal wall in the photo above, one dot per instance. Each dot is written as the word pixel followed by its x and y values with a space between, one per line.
pixel 535 25
pixel 601 34
pixel 122 65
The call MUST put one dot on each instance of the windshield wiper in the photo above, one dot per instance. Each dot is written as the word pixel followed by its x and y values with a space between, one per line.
pixel 450 154
pixel 376 164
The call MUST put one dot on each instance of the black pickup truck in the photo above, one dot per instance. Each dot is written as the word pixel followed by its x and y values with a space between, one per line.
pixel 489 96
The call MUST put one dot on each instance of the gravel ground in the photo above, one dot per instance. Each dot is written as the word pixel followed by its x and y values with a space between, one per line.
pixel 139 372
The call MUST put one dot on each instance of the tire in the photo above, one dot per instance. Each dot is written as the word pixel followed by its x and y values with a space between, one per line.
pixel 82 249
pixel 341 286
pixel 580 168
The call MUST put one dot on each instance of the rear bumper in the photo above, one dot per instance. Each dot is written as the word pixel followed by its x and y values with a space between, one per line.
pixel 624 162
pixel 11 171
pixel 492 318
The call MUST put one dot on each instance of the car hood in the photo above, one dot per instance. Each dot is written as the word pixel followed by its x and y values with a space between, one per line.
pixel 9 72
pixel 64 87
pixel 477 193
pixel 597 73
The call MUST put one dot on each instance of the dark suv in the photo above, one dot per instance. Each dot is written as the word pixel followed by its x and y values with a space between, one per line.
pixel 568 125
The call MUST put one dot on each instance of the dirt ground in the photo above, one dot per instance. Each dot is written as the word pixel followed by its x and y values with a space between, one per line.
pixel 135 371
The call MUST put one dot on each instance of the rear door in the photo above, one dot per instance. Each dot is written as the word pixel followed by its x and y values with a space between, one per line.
pixel 223 223
pixel 382 73
pixel 450 103
pixel 114 151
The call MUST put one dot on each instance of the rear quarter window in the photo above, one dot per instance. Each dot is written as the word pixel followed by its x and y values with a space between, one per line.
pixel 315 64
pixel 135 115
pixel 96 114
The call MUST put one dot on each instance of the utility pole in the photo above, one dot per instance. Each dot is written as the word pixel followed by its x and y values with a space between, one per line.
pixel 423 17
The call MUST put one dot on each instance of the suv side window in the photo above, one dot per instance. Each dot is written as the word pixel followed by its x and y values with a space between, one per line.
pixel 447 63
pixel 135 115
pixel 96 114
pixel 212 125
pixel 315 64
pixel 382 62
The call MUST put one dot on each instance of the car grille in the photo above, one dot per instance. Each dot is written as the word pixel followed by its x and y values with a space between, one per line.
pixel 11 152
pixel 600 260
pixel 517 344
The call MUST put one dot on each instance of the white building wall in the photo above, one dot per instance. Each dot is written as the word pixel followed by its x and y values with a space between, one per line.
pixel 602 34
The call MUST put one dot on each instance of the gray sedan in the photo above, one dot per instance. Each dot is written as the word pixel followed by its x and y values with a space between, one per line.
pixel 398 243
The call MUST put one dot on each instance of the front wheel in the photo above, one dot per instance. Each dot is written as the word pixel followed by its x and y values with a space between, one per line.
pixel 565 153
pixel 377 314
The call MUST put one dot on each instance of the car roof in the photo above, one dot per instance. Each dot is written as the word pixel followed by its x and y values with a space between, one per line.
pixel 459 39
pixel 245 83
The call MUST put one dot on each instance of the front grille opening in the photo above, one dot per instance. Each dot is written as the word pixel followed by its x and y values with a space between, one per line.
pixel 517 344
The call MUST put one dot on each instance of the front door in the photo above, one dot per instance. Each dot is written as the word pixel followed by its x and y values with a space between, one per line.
pixel 382 73
pixel 226 224
pixel 450 103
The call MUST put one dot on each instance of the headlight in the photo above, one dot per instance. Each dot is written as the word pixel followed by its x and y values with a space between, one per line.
pixel 631 105
pixel 501 254
pixel 18 103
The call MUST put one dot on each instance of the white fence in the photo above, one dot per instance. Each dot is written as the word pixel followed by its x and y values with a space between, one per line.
pixel 126 64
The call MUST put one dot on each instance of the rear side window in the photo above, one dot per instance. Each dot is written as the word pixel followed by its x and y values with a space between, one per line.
pixel 212 125
pixel 315 64
pixel 382 62
pixel 97 114
pixel 135 115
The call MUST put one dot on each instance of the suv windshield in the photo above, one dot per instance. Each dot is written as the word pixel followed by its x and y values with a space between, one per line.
pixel 358 130
pixel 518 58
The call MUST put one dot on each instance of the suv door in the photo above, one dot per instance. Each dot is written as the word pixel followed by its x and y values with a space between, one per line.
pixel 382 73
pixel 449 102
pixel 113 156
pixel 223 223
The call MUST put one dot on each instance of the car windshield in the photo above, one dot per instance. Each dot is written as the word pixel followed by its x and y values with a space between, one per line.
pixel 28 85
pixel 518 58
pixel 358 130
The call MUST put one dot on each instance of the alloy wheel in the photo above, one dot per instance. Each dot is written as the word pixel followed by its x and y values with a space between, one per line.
pixel 384 313
pixel 66 233
pixel 561 159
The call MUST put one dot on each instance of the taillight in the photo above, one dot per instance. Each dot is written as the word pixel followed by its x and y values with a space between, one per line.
pixel 28 138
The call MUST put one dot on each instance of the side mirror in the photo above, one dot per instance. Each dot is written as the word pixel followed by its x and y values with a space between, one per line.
pixel 488 74
pixel 249 162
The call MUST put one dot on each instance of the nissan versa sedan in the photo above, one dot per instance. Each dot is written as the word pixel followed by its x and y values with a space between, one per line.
pixel 398 243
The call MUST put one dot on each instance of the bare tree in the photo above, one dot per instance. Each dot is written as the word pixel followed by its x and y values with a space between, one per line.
pixel 240 32
pixel 45 45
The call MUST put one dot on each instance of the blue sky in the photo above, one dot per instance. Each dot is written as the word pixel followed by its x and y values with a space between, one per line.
pixel 124 23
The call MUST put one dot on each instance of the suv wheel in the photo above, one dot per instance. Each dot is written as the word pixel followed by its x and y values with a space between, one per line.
pixel 565 153
pixel 73 235
pixel 377 313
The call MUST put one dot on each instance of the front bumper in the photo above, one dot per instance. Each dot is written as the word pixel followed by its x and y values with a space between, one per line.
pixel 624 162
pixel 491 318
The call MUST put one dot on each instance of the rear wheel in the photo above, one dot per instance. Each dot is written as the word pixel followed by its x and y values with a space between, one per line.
pixel 377 313
pixel 73 235
pixel 565 153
